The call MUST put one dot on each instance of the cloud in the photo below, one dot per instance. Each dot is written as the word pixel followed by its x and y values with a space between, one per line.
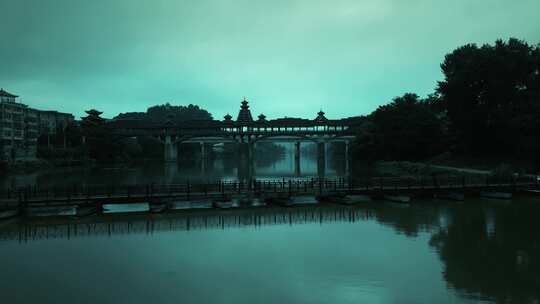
pixel 289 57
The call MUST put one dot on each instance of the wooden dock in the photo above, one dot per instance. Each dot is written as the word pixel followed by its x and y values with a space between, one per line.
pixel 98 195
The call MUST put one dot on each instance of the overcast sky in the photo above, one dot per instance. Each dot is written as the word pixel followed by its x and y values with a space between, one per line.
pixel 288 57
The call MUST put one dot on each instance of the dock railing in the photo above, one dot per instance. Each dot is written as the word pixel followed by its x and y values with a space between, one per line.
pixel 216 188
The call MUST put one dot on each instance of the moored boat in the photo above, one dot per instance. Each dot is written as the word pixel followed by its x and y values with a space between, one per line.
pixel 223 203
pixel 333 198
pixel 158 208
pixel 401 199
pixel 86 210
pixel 451 196
pixel 44 211
pixel 357 198
pixel 179 205
pixel 126 208
pixel 8 213
pixel 201 204
pixel 496 195
pixel 281 201
pixel 304 200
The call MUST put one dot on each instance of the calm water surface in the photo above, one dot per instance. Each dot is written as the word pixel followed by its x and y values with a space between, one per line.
pixel 434 252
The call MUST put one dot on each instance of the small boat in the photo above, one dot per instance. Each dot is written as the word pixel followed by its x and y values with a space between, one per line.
pixel 224 203
pixel 496 195
pixel 401 199
pixel 158 208
pixel 281 201
pixel 249 202
pixel 201 204
pixel 126 208
pixel 179 205
pixel 257 202
pixel 333 198
pixel 304 200
pixel 44 211
pixel 451 196
pixel 358 198
pixel 86 210
pixel 8 213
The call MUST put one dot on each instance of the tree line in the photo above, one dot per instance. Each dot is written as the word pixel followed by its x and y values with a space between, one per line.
pixel 487 105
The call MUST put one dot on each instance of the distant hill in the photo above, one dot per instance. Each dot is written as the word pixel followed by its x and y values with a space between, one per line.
pixel 160 113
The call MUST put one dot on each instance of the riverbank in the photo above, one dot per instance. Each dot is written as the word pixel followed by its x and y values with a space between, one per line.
pixel 449 167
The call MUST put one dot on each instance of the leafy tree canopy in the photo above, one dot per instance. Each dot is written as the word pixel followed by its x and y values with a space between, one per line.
pixel 161 113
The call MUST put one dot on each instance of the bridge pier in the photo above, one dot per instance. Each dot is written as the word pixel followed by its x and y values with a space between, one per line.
pixel 170 149
pixel 246 166
pixel 321 159
pixel 203 157
pixel 297 171
pixel 348 159
pixel 252 154
pixel 171 170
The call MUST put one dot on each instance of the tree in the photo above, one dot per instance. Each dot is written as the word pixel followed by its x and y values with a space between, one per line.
pixel 491 94
pixel 160 113
pixel 408 128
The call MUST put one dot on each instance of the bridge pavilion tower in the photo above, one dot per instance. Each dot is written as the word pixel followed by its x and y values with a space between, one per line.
pixel 321 120
pixel 246 149
pixel 244 115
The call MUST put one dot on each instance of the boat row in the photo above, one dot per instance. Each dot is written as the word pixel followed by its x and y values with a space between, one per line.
pixel 284 200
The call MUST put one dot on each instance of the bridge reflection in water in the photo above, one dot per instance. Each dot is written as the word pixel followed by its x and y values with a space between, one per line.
pixel 108 225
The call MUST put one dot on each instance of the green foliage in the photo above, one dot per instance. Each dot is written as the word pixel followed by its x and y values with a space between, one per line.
pixel 488 105
pixel 408 128
pixel 161 113
pixel 492 97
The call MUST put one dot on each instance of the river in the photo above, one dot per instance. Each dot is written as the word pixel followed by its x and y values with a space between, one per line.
pixel 479 251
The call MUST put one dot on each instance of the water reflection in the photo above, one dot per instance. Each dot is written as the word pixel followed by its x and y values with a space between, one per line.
pixel 433 252
pixel 493 252
pixel 194 168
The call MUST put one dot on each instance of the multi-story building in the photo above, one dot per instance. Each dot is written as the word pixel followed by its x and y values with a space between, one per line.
pixel 19 128
pixel 22 125
pixel 53 122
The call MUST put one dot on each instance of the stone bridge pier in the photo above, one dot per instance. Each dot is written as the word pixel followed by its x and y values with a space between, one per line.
pixel 297 154
pixel 246 161
pixel 170 149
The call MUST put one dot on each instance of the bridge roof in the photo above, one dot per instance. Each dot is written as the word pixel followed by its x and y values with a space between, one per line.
pixel 7 94
pixel 216 124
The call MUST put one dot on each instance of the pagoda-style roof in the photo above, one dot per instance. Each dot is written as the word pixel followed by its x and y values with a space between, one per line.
pixel 320 117
pixel 7 94
pixel 244 116
pixel 93 112
pixel 92 119
pixel 262 118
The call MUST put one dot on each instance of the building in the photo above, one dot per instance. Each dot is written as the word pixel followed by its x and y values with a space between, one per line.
pixel 52 122
pixel 19 129
pixel 22 125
